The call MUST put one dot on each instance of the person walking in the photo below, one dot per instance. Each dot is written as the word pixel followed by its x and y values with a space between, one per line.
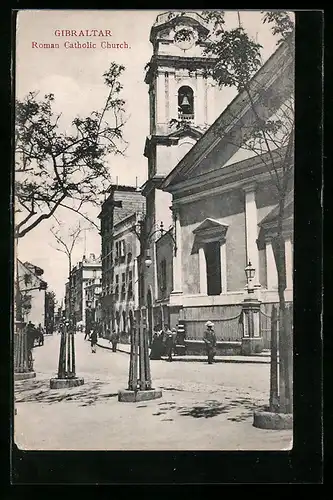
pixel 87 333
pixel 114 340
pixel 31 335
pixel 156 346
pixel 40 335
pixel 210 341
pixel 170 342
pixel 93 339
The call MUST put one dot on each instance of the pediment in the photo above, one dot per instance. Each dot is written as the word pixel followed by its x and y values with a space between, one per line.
pixel 209 230
pixel 209 224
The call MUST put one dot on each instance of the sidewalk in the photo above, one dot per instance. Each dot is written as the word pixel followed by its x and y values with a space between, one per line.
pixel 263 357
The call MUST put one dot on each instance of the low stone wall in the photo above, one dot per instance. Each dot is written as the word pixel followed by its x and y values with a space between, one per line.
pixel 223 348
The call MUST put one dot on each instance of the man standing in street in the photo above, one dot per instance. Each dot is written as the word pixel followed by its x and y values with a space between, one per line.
pixel 170 342
pixel 93 339
pixel 87 332
pixel 210 341
pixel 114 340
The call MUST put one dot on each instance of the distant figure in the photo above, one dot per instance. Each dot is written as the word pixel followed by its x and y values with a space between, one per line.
pixel 93 339
pixel 156 346
pixel 108 333
pixel 169 342
pixel 114 340
pixel 210 341
pixel 40 335
pixel 31 335
pixel 87 333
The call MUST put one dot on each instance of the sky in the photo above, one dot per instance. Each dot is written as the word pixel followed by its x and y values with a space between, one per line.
pixel 74 76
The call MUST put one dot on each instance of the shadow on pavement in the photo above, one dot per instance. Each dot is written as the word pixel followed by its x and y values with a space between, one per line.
pixel 212 408
pixel 39 391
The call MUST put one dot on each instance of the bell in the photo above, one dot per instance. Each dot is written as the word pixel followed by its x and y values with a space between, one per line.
pixel 185 101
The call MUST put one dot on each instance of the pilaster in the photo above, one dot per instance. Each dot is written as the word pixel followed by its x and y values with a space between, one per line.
pixel 202 271
pixel 251 223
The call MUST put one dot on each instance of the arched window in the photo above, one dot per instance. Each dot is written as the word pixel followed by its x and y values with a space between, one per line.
pixel 185 103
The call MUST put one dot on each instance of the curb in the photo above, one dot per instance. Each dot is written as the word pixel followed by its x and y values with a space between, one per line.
pixel 110 348
pixel 202 360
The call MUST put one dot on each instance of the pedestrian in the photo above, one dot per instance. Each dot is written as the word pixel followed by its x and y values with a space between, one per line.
pixel 40 335
pixel 31 335
pixel 210 341
pixel 114 340
pixel 169 342
pixel 156 346
pixel 93 339
pixel 87 333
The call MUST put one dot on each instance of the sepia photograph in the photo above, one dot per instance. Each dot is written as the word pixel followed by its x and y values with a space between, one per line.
pixel 154 230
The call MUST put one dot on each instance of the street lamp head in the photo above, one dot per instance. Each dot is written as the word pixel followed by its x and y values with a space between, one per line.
pixel 148 261
pixel 249 271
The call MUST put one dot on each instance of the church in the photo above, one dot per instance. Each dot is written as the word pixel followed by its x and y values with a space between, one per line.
pixel 216 198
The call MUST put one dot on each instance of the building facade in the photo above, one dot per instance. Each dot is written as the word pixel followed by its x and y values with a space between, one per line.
pixel 30 293
pixel 225 203
pixel 119 217
pixel 86 271
pixel 93 290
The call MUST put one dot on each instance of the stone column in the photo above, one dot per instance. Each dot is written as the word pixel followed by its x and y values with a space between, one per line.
pixel 160 98
pixel 199 103
pixel 173 103
pixel 289 263
pixel 272 277
pixel 223 256
pixel 251 223
pixel 202 271
pixel 252 341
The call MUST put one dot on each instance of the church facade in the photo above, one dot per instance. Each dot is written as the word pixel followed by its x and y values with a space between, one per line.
pixel 225 205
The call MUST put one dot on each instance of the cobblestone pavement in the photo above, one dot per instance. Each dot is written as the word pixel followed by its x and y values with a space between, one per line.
pixel 203 407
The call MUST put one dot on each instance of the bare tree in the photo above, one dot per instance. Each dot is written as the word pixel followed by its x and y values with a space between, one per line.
pixel 66 242
pixel 55 168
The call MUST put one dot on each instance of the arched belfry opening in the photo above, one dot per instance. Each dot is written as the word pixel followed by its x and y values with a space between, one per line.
pixel 185 103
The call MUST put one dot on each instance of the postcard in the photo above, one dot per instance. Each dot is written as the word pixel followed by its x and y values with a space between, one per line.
pixel 154 230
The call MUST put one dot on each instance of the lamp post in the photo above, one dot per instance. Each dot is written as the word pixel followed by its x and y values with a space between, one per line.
pixel 66 367
pixel 252 341
pixel 139 382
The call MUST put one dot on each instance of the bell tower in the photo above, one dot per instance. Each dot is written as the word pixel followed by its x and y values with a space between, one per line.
pixel 181 104
pixel 181 96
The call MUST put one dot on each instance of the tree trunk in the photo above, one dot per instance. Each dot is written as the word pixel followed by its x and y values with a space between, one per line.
pixel 284 344
pixel 274 379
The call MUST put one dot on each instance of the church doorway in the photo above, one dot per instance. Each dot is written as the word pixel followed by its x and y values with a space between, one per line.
pixel 213 263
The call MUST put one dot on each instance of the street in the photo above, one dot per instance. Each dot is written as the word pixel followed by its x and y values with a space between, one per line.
pixel 203 407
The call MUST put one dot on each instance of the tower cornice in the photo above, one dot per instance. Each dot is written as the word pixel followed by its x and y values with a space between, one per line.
pixel 177 62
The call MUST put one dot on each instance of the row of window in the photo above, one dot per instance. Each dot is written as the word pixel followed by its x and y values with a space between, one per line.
pixel 119 289
pixel 119 255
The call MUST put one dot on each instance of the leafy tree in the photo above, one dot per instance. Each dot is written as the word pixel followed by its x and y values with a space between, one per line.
pixel 268 132
pixel 268 129
pixel 56 168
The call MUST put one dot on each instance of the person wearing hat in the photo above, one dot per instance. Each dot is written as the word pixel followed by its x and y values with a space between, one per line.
pixel 170 341
pixel 210 341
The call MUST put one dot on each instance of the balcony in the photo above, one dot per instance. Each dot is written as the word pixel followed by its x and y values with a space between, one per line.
pixel 185 117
